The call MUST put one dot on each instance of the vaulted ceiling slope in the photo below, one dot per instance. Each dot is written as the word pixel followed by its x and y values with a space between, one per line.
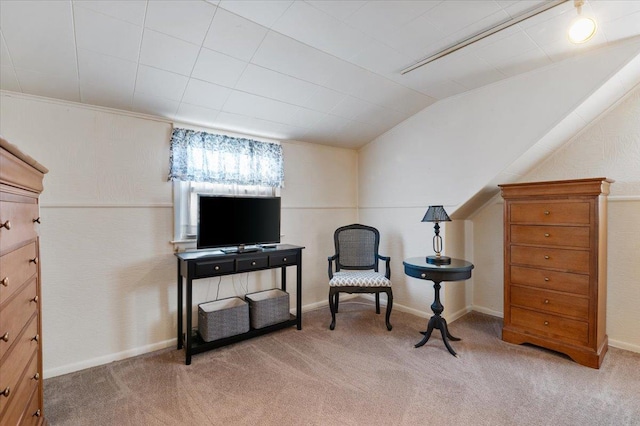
pixel 318 71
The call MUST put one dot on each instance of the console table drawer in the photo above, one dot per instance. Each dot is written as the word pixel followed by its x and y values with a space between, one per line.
pixel 553 258
pixel 573 236
pixel 252 263
pixel 550 301
pixel 550 212
pixel 213 267
pixel 283 259
pixel 551 325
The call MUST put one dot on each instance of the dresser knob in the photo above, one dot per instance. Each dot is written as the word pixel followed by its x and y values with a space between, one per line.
pixel 546 235
pixel 5 281
pixel 547 212
pixel 34 300
pixel 423 275
pixel 35 338
pixel 284 259
pixel 36 376
pixel 546 301
pixel 6 224
pixel 546 278
pixel 34 260
pixel 36 220
pixel 546 257
pixel 217 268
pixel 546 323
pixel 6 392
pixel 5 338
pixel 37 413
pixel 253 263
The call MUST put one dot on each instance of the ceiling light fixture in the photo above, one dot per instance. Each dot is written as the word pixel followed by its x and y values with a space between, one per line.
pixel 582 28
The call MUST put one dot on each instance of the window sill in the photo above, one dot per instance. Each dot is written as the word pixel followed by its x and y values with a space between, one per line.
pixel 183 245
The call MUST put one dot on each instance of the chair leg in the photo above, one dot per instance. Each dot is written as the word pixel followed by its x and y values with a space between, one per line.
pixel 332 307
pixel 389 305
pixel 337 300
pixel 377 303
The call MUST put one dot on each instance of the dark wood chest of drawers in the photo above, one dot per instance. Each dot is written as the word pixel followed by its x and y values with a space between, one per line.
pixel 20 315
pixel 555 259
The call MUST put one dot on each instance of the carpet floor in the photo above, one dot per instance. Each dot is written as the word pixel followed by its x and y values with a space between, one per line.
pixel 358 374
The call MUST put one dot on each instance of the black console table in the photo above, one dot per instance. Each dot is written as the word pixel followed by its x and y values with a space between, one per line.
pixel 457 270
pixel 213 263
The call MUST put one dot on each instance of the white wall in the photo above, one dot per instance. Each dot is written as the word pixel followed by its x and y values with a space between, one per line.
pixel 108 269
pixel 608 147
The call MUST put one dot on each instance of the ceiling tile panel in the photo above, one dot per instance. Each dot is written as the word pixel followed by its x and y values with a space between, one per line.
pixel 8 79
pixel 196 115
pixel 315 28
pixel 379 18
pixel 263 12
pixel 234 35
pixel 338 9
pixel 168 53
pixel 205 94
pixel 187 20
pixel 323 99
pixel 218 68
pixel 518 64
pixel 621 28
pixel 456 15
pixel 131 11
pixel 380 58
pixel 275 85
pixel 103 34
pixel 154 105
pixel 39 36
pixel 156 82
pixel 612 10
pixel 57 86
pixel 115 74
pixel 507 47
pixel 260 107
pixel 257 127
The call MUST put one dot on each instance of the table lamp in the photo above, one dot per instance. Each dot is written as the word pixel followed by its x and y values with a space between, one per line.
pixel 437 214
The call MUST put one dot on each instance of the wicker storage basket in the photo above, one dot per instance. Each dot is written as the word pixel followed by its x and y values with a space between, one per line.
pixel 223 318
pixel 268 307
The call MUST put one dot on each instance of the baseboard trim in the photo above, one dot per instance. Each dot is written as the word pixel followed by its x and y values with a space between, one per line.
pixel 487 311
pixel 623 345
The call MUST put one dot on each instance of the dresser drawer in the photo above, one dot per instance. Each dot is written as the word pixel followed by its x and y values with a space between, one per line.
pixel 33 413
pixel 11 371
pixel 571 236
pixel 552 258
pixel 28 339
pixel 252 263
pixel 549 325
pixel 208 268
pixel 550 301
pixel 19 398
pixel 20 217
pixel 15 314
pixel 283 259
pixel 551 280
pixel 551 212
pixel 15 268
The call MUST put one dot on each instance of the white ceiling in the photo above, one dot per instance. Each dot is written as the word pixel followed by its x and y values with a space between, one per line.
pixel 317 71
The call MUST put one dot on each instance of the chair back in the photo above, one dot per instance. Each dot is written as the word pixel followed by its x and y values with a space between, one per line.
pixel 356 247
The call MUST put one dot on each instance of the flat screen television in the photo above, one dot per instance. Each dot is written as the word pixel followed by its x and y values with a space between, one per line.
pixel 232 222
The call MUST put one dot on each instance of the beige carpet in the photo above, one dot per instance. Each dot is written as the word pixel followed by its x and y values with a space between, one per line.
pixel 359 374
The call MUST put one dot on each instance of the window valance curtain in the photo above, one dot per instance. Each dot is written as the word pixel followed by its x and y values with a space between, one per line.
pixel 207 157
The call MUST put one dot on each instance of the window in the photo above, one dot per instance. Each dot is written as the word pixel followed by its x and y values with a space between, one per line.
pixel 209 163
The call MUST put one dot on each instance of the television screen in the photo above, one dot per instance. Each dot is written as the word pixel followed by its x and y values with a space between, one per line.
pixel 225 221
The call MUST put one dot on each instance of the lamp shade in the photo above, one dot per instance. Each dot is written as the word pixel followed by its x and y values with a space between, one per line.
pixel 436 214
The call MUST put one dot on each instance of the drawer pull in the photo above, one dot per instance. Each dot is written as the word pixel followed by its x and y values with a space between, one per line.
pixel 36 220
pixel 284 259
pixel 5 281
pixel 34 299
pixel 36 376
pixel 547 212
pixel 546 278
pixel 6 392
pixel 5 338
pixel 423 275
pixel 6 224
pixel 547 235
pixel 35 338
pixel 546 323
pixel 37 413
pixel 546 301
pixel 34 260
pixel 546 257
pixel 217 268
pixel 253 263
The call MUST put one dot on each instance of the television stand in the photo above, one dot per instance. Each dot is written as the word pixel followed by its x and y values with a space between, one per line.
pixel 205 264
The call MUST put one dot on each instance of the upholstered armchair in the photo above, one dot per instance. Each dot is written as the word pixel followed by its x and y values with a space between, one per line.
pixel 356 261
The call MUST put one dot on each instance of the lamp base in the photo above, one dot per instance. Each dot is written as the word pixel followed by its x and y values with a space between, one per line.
pixel 438 260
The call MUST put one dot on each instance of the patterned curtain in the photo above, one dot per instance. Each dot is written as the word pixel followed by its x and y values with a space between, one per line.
pixel 207 157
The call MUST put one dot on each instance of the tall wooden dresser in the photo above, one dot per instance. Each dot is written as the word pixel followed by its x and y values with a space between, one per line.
pixel 20 319
pixel 555 266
